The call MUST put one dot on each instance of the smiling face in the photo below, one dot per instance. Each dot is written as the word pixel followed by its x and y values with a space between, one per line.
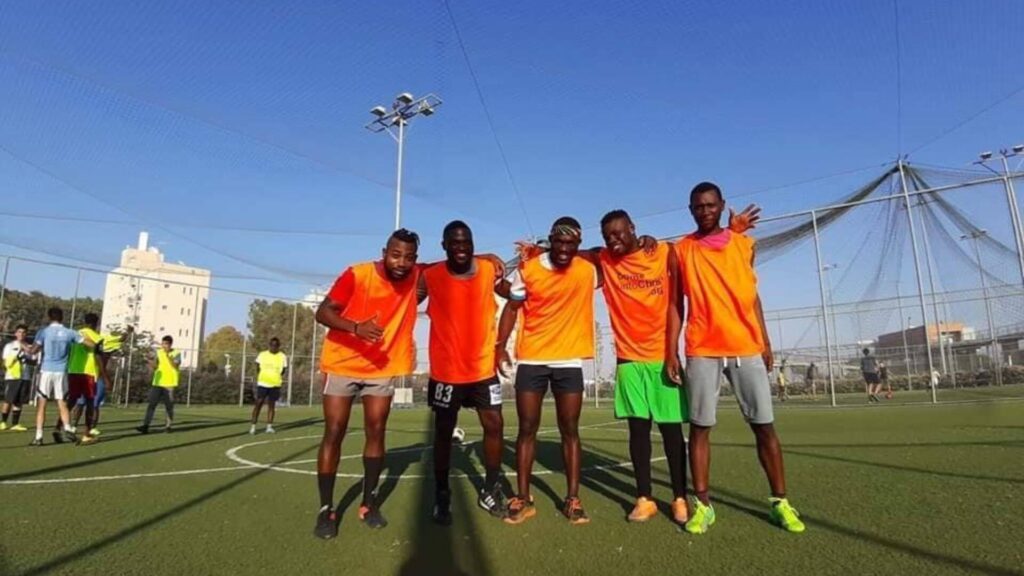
pixel 458 247
pixel 399 258
pixel 620 237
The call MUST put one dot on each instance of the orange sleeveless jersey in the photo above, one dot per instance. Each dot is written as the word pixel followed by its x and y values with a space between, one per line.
pixel 721 292
pixel 463 323
pixel 558 314
pixel 363 291
pixel 636 290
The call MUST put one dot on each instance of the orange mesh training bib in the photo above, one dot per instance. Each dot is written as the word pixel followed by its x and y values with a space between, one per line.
pixel 721 292
pixel 636 290
pixel 463 319
pixel 394 304
pixel 558 315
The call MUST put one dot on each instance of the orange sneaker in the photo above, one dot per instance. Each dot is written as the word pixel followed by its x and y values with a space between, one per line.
pixel 573 510
pixel 680 513
pixel 644 510
pixel 519 510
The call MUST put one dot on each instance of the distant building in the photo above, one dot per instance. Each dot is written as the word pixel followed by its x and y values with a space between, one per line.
pixel 158 297
pixel 919 335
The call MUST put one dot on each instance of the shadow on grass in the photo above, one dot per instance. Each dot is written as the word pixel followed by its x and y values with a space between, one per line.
pixel 122 456
pixel 739 502
pixel 92 548
pixel 435 548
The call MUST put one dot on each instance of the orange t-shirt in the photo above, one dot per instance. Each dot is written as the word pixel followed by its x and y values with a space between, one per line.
pixel 636 290
pixel 558 313
pixel 721 291
pixel 364 291
pixel 463 323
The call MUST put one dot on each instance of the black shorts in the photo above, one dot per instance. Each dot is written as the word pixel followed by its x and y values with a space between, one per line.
pixel 537 378
pixel 267 393
pixel 872 378
pixel 17 392
pixel 483 395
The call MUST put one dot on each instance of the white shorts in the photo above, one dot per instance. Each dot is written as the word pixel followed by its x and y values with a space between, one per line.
pixel 53 385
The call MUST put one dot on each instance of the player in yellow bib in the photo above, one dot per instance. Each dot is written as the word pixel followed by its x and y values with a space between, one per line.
pixel 272 364
pixel 165 365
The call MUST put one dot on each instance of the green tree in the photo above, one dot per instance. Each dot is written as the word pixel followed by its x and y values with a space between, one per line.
pixel 30 308
pixel 224 340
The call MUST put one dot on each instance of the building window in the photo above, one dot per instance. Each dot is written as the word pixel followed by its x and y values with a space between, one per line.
pixel 182 313
pixel 167 285
pixel 186 333
pixel 190 290
pixel 161 328
pixel 179 332
pixel 164 307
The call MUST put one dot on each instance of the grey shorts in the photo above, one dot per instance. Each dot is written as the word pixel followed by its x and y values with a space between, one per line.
pixel 750 384
pixel 339 385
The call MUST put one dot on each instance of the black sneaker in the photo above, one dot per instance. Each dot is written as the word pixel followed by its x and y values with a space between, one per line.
pixel 443 508
pixel 326 524
pixel 493 501
pixel 168 429
pixel 142 429
pixel 70 436
pixel 36 442
pixel 57 437
pixel 371 516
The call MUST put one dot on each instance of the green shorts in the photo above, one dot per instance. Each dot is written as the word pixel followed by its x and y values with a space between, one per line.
pixel 643 390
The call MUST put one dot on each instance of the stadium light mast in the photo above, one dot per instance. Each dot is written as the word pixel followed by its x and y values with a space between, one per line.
pixel 403 110
pixel 1011 197
pixel 995 358
pixel 824 310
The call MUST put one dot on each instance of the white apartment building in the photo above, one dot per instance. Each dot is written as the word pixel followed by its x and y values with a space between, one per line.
pixel 158 297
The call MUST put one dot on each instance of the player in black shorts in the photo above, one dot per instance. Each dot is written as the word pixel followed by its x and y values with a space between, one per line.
pixel 463 316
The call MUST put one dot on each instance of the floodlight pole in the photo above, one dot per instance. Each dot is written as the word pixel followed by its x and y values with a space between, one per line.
pixel 917 272
pixel 403 110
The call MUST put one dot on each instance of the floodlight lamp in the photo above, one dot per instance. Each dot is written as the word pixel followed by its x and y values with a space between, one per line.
pixel 1018 149
pixel 378 111
pixel 426 110
pixel 404 98
pixel 985 155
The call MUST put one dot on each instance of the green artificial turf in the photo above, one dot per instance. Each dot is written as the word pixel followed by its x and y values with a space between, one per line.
pixel 890 489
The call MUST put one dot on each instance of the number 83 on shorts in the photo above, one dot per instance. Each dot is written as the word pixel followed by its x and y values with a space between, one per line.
pixel 482 395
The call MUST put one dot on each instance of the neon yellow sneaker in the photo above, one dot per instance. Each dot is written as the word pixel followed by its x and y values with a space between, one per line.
pixel 786 516
pixel 94 432
pixel 18 428
pixel 702 519
pixel 3 426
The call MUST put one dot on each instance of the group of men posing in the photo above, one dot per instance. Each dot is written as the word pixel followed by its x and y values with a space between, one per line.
pixel 370 313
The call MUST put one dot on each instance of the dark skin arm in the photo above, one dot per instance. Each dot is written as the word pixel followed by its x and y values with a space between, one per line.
pixel 329 314
pixel 769 359
pixel 675 319
pixel 506 324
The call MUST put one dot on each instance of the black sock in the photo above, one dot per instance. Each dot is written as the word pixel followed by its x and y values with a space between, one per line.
pixel 640 454
pixel 16 418
pixel 493 477
pixel 703 497
pixel 371 476
pixel 325 483
pixel 4 416
pixel 441 480
pixel 675 453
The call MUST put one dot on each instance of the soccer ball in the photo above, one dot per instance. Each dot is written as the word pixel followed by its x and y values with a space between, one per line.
pixel 458 435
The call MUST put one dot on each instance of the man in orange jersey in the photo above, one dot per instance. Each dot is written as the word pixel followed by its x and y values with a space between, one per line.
pixel 463 311
pixel 370 313
pixel 725 332
pixel 637 285
pixel 554 292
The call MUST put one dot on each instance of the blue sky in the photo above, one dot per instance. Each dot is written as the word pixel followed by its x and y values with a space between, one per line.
pixel 192 119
